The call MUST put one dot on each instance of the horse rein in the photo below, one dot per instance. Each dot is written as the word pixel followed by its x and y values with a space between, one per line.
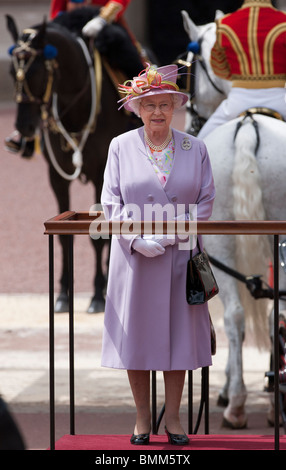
pixel 77 158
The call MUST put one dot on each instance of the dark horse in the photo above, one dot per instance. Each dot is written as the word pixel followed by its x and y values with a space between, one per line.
pixel 54 74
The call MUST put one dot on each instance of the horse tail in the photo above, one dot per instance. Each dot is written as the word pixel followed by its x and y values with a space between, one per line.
pixel 253 252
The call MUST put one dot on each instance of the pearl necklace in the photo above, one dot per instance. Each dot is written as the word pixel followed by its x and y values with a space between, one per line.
pixel 158 147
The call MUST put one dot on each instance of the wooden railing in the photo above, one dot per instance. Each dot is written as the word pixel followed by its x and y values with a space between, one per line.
pixel 79 223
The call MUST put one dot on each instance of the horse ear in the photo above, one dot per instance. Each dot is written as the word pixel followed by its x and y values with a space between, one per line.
pixel 190 27
pixel 218 14
pixel 12 28
pixel 40 38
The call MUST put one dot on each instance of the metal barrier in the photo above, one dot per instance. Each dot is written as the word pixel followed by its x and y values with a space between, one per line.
pixel 78 223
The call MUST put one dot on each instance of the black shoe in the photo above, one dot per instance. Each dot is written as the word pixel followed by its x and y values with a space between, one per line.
pixel 177 439
pixel 140 439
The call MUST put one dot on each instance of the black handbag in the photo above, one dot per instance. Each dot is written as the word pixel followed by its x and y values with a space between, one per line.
pixel 201 285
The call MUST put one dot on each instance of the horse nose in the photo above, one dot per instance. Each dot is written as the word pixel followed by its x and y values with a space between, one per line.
pixel 26 123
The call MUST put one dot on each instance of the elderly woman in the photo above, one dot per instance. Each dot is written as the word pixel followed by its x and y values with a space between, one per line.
pixel 148 323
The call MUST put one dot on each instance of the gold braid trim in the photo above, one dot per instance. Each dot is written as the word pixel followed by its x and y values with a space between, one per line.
pixel 110 11
pixel 257 3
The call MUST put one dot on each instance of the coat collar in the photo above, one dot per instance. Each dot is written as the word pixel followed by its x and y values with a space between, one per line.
pixel 257 3
pixel 182 140
pixel 182 143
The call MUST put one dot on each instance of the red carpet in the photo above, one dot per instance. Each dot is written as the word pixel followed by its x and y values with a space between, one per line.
pixel 160 443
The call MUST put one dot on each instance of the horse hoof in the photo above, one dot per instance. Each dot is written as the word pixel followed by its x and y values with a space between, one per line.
pixel 62 304
pixel 96 306
pixel 236 425
pixel 271 421
pixel 222 401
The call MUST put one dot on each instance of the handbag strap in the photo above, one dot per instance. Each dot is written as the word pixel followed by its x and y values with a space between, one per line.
pixel 199 247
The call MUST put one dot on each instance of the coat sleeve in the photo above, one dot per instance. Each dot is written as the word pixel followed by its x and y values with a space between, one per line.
pixel 111 197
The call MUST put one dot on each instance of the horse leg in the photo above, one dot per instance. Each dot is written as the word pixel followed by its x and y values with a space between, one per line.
pixel 62 301
pixel 61 191
pixel 233 394
pixel 271 409
pixel 97 303
pixel 234 414
pixel 223 394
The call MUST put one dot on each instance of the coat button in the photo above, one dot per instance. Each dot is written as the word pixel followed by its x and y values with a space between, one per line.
pixel 150 197
pixel 174 198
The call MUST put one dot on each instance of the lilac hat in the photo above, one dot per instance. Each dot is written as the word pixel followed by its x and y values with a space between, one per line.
pixel 151 81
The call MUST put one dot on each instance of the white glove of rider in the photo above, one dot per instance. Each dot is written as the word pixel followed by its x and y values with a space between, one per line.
pixel 163 240
pixel 148 248
pixel 93 27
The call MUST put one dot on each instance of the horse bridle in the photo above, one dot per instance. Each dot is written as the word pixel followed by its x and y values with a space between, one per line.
pixel 197 120
pixel 23 55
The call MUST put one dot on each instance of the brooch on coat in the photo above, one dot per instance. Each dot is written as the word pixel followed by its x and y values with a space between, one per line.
pixel 186 143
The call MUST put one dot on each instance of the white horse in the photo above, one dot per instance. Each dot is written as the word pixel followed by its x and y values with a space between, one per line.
pixel 249 167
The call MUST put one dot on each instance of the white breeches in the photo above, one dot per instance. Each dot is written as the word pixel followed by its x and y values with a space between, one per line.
pixel 239 100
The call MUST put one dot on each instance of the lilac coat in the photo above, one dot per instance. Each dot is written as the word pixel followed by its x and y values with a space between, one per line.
pixel 148 323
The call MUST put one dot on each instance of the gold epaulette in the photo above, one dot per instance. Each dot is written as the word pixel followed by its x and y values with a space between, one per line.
pixel 110 11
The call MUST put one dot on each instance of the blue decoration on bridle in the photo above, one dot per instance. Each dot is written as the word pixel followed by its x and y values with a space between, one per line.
pixel 194 46
pixel 10 50
pixel 50 51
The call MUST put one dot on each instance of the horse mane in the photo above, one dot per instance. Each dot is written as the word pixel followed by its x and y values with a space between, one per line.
pixel 50 28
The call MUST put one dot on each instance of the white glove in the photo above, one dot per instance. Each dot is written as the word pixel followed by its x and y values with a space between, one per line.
pixel 163 240
pixel 148 248
pixel 93 27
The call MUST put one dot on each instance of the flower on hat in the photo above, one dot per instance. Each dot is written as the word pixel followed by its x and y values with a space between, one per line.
pixel 147 80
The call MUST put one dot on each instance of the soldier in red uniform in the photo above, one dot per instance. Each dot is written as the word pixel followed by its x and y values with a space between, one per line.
pixel 107 26
pixel 111 10
pixel 250 50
